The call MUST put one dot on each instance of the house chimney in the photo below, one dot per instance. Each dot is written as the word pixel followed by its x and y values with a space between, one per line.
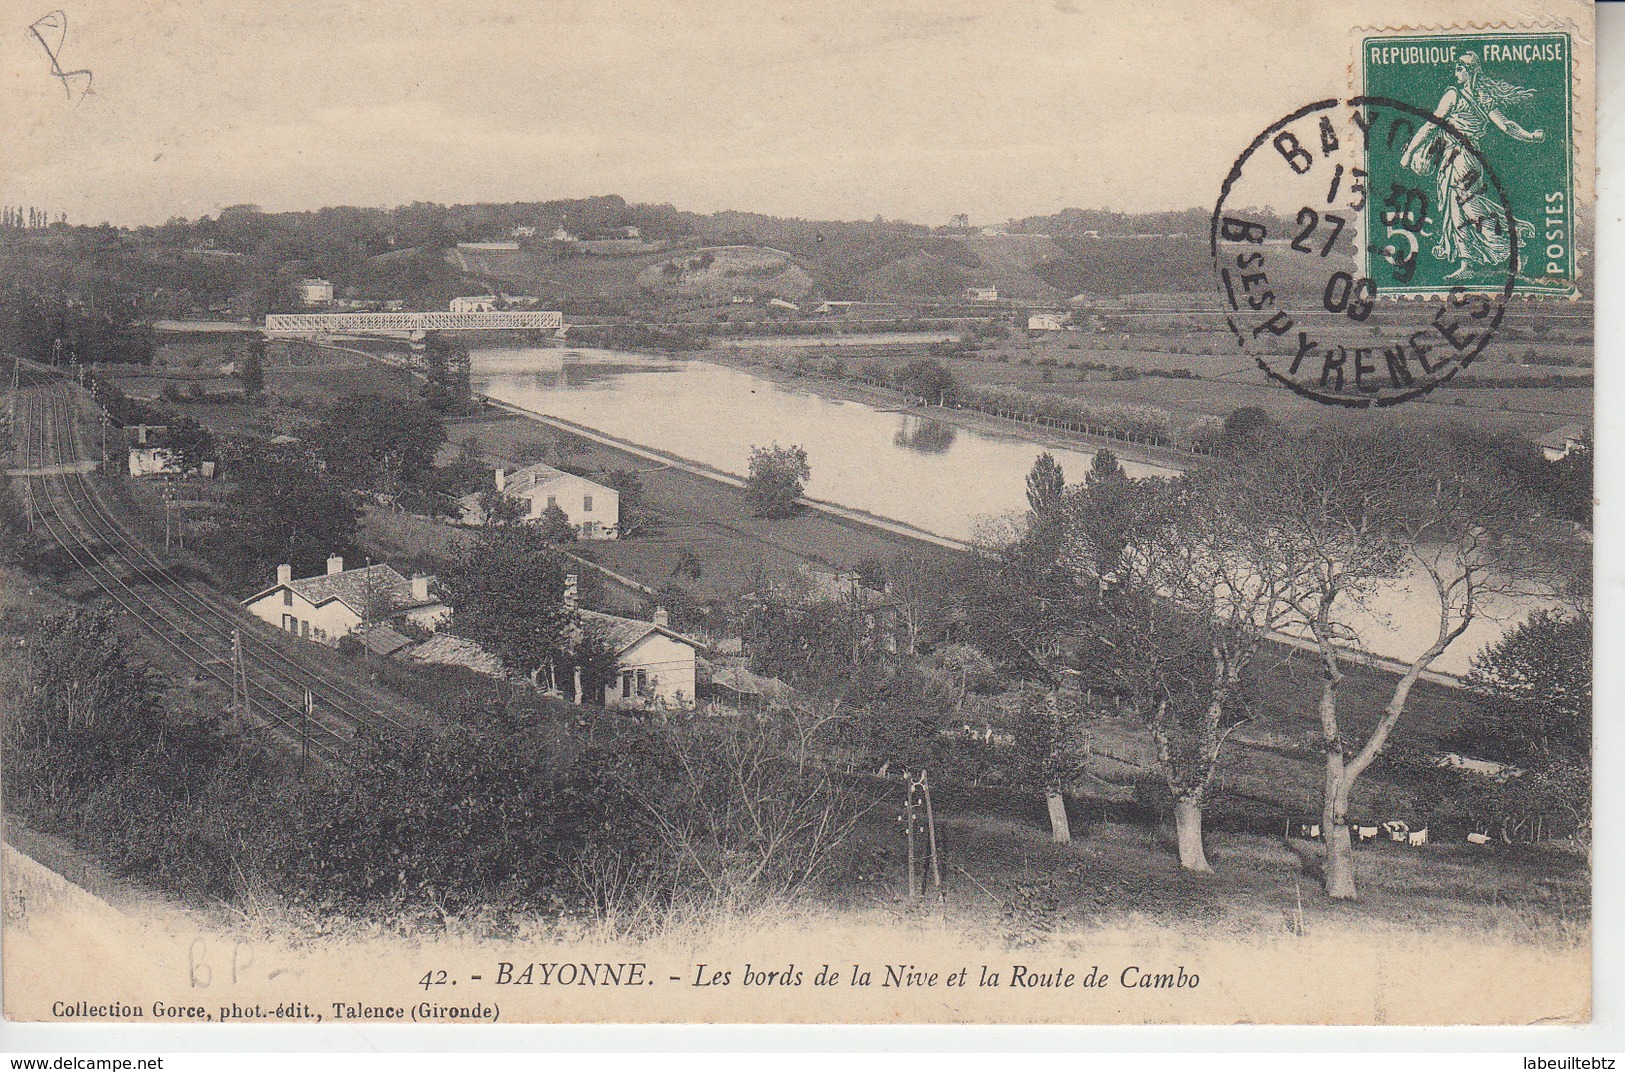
pixel 335 564
pixel 420 587
pixel 501 476
pixel 662 619
pixel 284 573
pixel 570 590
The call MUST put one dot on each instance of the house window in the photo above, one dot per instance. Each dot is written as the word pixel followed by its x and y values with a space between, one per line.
pixel 287 597
pixel 643 682
pixel 304 629
pixel 586 503
pixel 552 500
pixel 290 623
pixel 626 684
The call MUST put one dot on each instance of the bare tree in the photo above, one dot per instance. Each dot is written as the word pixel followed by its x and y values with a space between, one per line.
pixel 1364 510
pixel 1192 592
pixel 743 805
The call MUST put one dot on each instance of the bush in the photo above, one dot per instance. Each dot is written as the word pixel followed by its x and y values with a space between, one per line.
pixel 777 477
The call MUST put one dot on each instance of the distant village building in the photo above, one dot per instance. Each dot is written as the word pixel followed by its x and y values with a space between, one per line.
pixel 1046 322
pixel 315 292
pixel 780 303
pixel 981 293
pixel 522 232
pixel 631 232
pixel 153 461
pixel 492 303
pixel 334 605
pixel 1562 441
pixel 561 235
pixel 593 510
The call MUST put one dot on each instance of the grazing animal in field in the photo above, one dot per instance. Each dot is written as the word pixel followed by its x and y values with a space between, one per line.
pixel 1419 837
pixel 1478 839
pixel 1366 833
pixel 1397 830
pixel 1309 830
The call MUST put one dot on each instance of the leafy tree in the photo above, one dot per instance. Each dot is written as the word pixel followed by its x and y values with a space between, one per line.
pixel 1246 426
pixel 1104 467
pixel 281 508
pixel 927 379
pixel 1568 484
pixel 251 369
pixel 633 516
pixel 554 525
pixel 378 443
pixel 447 389
pixel 1045 763
pixel 1534 687
pixel 507 595
pixel 1045 485
pixel 777 477
pixel 191 443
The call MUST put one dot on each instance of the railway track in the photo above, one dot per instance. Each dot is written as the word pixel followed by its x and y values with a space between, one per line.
pixel 202 631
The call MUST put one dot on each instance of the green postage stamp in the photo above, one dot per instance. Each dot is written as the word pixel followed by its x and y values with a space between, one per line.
pixel 1476 192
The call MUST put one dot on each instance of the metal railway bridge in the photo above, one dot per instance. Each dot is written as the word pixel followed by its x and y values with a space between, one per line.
pixel 295 324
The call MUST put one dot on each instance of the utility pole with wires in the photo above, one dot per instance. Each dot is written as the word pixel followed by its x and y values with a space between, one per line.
pixel 239 675
pixel 306 714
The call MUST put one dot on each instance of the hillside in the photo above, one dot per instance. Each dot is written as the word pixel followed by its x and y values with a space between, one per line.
pixel 722 271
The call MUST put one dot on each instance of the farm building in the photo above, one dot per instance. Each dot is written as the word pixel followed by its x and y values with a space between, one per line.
pixel 334 605
pixel 1562 441
pixel 593 509
pixel 315 292
pixel 1046 322
pixel 153 461
pixel 981 293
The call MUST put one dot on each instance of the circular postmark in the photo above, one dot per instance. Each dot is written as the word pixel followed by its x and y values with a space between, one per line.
pixel 1365 251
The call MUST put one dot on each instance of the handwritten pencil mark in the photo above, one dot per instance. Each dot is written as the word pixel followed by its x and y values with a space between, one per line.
pixel 56 25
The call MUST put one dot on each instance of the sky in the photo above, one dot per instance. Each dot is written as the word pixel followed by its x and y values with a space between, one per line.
pixel 831 109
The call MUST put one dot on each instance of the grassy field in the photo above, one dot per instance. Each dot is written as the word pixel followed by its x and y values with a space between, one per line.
pixel 1227 380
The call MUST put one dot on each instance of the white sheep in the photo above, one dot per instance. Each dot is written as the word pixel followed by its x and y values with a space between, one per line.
pixel 1366 833
pixel 1397 830
pixel 1478 839
pixel 1309 830
pixel 1419 837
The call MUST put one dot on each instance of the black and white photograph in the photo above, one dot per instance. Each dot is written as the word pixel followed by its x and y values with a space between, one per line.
pixel 1046 512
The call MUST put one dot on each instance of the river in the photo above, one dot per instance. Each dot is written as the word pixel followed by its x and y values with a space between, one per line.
pixel 894 464
pixel 904 466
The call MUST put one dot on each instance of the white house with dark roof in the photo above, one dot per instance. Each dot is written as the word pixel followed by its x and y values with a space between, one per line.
pixel 334 605
pixel 655 665
pixel 592 509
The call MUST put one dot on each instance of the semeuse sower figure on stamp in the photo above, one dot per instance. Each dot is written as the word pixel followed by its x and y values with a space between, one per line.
pixel 1472 230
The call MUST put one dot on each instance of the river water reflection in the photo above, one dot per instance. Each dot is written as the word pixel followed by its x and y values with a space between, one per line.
pixel 898 465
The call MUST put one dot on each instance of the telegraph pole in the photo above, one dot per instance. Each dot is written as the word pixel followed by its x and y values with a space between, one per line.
pixel 931 835
pixel 239 674
pixel 304 730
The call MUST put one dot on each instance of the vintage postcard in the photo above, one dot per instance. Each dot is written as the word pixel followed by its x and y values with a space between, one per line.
pixel 941 512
